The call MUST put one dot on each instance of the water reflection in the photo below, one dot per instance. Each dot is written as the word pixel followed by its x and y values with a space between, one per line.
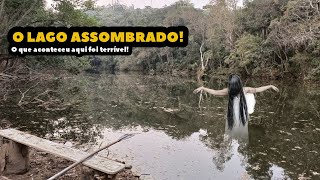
pixel 283 131
pixel 163 157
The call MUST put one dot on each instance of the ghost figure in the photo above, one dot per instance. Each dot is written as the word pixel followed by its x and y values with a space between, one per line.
pixel 251 102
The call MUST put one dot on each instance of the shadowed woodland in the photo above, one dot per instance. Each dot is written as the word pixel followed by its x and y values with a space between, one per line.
pixel 66 98
pixel 265 38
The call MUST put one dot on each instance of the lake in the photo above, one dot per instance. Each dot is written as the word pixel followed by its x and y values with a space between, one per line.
pixel 174 137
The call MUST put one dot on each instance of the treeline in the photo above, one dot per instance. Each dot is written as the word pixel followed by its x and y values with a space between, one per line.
pixel 37 13
pixel 269 38
pixel 272 38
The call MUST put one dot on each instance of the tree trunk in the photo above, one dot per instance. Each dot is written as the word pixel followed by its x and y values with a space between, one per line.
pixel 14 157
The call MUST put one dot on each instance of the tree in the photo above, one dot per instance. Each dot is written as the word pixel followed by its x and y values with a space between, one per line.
pixel 296 31
pixel 89 4
pixel 247 53
pixel 66 13
pixel 257 15
pixel 16 13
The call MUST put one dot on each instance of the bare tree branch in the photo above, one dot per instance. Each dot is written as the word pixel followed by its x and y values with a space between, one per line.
pixel 7 76
pixel 201 56
pixel 1 8
pixel 206 62
pixel 23 93
pixel 41 94
pixel 298 17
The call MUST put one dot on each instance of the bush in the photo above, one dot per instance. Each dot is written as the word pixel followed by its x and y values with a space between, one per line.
pixel 247 53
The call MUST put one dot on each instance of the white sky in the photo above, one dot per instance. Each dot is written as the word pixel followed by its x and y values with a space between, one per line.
pixel 143 3
pixel 152 3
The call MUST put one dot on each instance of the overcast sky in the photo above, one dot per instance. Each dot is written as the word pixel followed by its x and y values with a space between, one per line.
pixel 153 3
pixel 143 3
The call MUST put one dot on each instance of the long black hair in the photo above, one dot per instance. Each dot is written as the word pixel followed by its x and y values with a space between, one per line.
pixel 235 89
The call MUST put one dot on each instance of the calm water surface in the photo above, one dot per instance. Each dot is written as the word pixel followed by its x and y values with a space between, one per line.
pixel 284 130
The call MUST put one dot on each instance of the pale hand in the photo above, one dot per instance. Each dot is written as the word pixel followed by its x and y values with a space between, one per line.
pixel 198 90
pixel 274 88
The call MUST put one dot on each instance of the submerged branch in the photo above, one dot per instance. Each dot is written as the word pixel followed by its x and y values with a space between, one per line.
pixel 23 93
pixel 4 76
pixel 315 109
pixel 200 99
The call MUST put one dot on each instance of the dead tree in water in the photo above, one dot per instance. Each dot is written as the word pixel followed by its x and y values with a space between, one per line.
pixel 201 72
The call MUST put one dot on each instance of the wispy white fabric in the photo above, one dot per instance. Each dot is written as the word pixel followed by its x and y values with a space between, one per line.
pixel 239 131
pixel 251 102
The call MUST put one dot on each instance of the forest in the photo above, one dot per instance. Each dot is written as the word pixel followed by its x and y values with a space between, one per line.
pixel 89 100
pixel 261 38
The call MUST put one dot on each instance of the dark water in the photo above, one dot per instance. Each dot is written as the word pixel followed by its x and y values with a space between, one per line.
pixel 284 130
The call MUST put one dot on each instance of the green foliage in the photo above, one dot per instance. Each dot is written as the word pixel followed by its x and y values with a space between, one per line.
pixel 17 13
pixel 247 52
pixel 257 15
pixel 306 66
pixel 57 62
pixel 273 37
pixel 34 13
pixel 260 38
pixel 67 14
pixel 89 4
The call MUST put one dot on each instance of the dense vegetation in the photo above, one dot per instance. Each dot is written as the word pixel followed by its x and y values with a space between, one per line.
pixel 270 38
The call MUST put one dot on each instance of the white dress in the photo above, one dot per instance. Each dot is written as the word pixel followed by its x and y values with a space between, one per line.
pixel 239 131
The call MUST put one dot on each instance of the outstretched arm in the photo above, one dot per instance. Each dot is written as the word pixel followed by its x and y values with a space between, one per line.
pixel 260 89
pixel 222 92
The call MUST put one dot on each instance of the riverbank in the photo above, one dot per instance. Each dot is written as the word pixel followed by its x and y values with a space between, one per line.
pixel 44 165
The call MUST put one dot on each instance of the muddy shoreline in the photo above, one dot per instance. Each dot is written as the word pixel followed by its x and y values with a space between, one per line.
pixel 44 165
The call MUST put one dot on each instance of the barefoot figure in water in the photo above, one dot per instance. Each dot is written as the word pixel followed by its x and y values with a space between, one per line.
pixel 241 103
